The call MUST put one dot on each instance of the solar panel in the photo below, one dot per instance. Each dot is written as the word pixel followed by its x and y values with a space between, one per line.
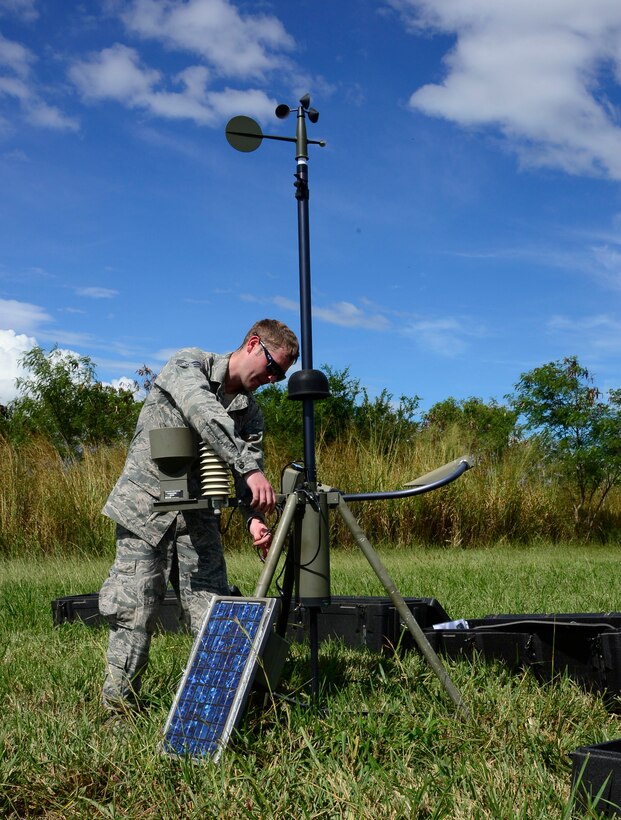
pixel 224 660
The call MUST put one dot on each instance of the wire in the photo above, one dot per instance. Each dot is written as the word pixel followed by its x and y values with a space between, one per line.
pixel 224 527
pixel 271 529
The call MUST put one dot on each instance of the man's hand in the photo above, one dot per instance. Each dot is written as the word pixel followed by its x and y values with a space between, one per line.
pixel 261 536
pixel 263 495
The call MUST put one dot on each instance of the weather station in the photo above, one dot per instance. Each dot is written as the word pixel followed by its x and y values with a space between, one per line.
pixel 238 634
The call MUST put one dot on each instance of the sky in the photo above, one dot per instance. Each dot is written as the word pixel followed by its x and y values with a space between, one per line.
pixel 464 214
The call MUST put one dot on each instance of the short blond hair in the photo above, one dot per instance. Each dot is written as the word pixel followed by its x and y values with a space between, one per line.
pixel 275 335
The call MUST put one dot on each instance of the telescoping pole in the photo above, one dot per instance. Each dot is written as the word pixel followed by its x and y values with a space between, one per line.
pixel 302 197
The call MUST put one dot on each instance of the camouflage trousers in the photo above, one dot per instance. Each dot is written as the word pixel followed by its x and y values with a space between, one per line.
pixel 190 556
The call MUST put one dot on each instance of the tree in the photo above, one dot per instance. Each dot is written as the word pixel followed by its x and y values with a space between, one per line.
pixel 333 415
pixel 61 400
pixel 386 420
pixel 348 408
pixel 486 427
pixel 579 432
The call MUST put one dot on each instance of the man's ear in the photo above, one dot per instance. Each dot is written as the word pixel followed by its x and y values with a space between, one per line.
pixel 252 343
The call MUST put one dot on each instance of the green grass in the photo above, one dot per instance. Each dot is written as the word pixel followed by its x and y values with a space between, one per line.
pixel 384 744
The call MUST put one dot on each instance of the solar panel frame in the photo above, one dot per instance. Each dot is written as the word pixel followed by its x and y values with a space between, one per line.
pixel 218 677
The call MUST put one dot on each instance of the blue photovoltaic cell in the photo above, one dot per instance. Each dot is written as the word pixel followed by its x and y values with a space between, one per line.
pixel 219 672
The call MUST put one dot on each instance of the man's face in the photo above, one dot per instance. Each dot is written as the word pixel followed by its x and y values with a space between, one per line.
pixel 263 365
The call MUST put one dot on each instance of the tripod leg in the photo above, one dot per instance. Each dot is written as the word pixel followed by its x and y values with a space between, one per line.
pixel 286 593
pixel 401 607
pixel 313 624
pixel 271 562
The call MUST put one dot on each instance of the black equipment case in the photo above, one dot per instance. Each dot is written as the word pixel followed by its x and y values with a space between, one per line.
pixel 367 622
pixel 586 646
pixel 85 608
pixel 596 770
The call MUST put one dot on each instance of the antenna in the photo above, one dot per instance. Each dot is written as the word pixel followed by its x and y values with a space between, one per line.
pixel 307 384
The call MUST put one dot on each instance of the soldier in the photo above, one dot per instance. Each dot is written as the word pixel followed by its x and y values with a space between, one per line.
pixel 212 395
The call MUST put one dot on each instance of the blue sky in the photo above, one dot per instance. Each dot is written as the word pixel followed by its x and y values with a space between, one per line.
pixel 465 214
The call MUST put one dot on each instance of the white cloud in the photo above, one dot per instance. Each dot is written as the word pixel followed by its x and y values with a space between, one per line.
pixel 235 45
pixel 20 8
pixel 23 316
pixel 97 293
pixel 117 73
pixel 19 322
pixel 12 348
pixel 41 114
pixel 286 304
pixel 608 266
pixel 15 56
pixel 164 354
pixel 19 85
pixel 444 336
pixel 15 87
pixel 346 314
pixel 343 314
pixel 125 383
pixel 227 43
pixel 251 101
pixel 598 335
pixel 534 70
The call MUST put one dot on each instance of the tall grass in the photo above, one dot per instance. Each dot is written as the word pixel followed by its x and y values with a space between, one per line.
pixel 504 499
pixel 52 506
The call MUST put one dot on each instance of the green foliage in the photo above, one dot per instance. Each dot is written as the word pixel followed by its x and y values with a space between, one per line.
pixel 61 400
pixel 485 427
pixel 579 433
pixel 559 483
pixel 347 410
pixel 384 418
pixel 283 417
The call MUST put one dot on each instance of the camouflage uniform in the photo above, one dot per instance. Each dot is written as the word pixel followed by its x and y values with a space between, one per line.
pixel 183 547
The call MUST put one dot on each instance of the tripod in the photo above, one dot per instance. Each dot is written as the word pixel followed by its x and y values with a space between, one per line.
pixel 304 522
pixel 307 504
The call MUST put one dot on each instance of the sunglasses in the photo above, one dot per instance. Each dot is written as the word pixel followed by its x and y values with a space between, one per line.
pixel 273 368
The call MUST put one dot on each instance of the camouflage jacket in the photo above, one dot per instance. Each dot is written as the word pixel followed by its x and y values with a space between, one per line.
pixel 188 392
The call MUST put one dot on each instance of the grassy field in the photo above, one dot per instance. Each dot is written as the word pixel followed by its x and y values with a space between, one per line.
pixel 384 744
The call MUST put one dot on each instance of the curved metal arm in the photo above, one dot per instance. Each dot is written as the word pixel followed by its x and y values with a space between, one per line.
pixel 425 484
